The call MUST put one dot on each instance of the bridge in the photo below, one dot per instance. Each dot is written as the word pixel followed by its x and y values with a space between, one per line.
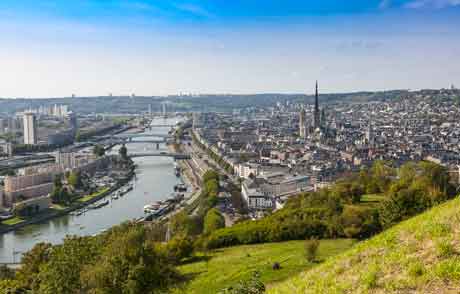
pixel 130 136
pixel 176 156
pixel 161 126
pixel 144 141
pixel 24 161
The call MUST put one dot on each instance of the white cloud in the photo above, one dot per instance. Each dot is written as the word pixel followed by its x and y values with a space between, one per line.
pixel 195 10
pixel 416 4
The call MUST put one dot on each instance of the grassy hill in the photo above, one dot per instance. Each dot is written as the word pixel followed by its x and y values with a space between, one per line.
pixel 225 267
pixel 420 255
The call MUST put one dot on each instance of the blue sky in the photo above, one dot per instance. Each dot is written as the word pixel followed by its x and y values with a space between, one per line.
pixel 94 47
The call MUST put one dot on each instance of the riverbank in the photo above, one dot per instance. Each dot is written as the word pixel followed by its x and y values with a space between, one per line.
pixel 58 211
pixel 189 178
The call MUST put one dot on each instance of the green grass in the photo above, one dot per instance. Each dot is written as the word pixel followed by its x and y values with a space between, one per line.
pixel 420 255
pixel 227 266
pixel 13 221
pixel 91 196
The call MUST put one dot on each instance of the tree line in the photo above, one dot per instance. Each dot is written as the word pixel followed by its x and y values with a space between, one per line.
pixel 341 210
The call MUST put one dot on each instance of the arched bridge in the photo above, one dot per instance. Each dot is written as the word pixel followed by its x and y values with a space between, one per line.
pixel 176 156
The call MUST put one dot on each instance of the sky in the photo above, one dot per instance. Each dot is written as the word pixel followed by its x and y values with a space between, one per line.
pixel 160 47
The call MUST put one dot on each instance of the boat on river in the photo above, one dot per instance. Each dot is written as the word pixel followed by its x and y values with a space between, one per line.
pixel 180 188
pixel 125 190
pixel 116 195
pixel 101 204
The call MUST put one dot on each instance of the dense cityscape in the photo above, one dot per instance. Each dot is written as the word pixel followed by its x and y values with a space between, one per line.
pixel 229 147
pixel 58 163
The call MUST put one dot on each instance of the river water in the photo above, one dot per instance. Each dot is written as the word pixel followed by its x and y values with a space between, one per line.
pixel 154 181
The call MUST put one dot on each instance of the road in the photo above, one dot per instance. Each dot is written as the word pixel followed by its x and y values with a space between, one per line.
pixel 202 162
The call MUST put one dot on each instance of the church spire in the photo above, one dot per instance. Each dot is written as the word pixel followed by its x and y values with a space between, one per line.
pixel 316 111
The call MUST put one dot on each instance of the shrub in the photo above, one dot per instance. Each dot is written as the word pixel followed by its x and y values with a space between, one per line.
pixel 178 248
pixel 213 221
pixel 445 249
pixel 311 249
pixel 250 286
pixel 448 269
pixel 370 277
pixel 416 269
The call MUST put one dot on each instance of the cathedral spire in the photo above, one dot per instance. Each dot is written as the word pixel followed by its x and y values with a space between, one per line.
pixel 316 111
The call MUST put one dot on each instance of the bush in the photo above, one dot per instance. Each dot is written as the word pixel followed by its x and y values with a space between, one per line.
pixel 311 249
pixel 213 220
pixel 445 249
pixel 370 277
pixel 178 248
pixel 416 269
pixel 251 286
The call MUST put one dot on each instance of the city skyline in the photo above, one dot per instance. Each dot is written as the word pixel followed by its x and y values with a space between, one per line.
pixel 93 48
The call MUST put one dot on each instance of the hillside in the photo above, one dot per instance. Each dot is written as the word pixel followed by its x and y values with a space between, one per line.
pixel 420 255
pixel 225 267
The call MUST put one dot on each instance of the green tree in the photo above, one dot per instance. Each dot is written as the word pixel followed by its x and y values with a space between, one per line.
pixel 99 150
pixel 32 261
pixel 213 220
pixel 61 274
pixel 128 264
pixel 179 247
pixel 210 175
pixel 74 179
pixel 183 224
pixel 123 151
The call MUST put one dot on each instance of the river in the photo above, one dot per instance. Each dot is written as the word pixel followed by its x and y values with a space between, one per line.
pixel 154 181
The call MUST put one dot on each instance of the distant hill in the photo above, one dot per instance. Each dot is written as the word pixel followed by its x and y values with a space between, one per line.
pixel 420 255
pixel 214 102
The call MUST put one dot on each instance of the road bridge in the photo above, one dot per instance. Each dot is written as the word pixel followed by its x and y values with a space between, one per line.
pixel 143 141
pixel 149 135
pixel 176 156
pixel 23 161
pixel 161 126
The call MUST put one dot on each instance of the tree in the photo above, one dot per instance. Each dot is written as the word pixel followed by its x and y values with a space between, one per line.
pixel 179 247
pixel 60 194
pixel 74 180
pixel 123 151
pixel 57 182
pixel 99 150
pixel 32 261
pixel 61 274
pixel 311 249
pixel 183 224
pixel 210 175
pixel 128 264
pixel 213 220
